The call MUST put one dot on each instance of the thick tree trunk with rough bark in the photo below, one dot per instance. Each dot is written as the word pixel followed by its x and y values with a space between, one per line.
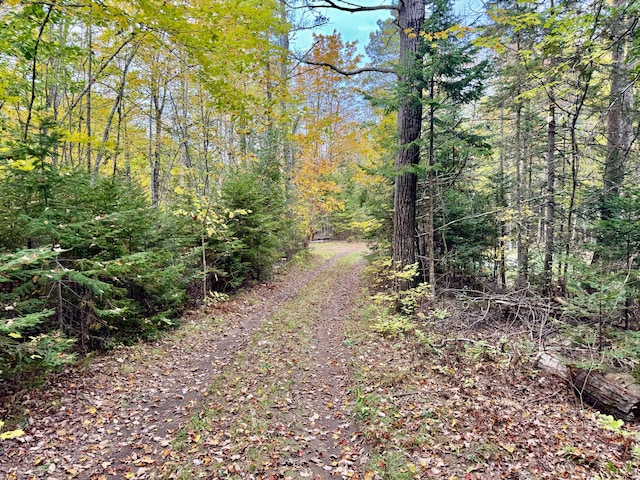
pixel 411 15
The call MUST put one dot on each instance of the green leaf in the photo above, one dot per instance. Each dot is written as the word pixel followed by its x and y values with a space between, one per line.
pixel 609 423
pixel 11 434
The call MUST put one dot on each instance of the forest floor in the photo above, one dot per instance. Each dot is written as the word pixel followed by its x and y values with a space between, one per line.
pixel 291 380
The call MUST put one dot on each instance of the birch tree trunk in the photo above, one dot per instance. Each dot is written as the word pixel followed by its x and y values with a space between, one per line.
pixel 114 109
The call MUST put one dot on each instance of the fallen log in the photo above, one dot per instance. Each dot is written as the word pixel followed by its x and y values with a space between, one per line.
pixel 615 394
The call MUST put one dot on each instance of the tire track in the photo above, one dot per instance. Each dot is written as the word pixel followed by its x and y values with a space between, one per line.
pixel 118 415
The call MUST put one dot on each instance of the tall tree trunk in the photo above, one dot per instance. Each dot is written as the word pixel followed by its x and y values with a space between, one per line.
pixel 155 161
pixel 550 201
pixel 156 109
pixel 89 83
pixel 53 87
pixel 34 74
pixel 155 166
pixel 114 109
pixel 619 122
pixel 184 131
pixel 287 125
pixel 119 126
pixel 521 222
pixel 410 20
pixel 575 166
pixel 550 207
pixel 502 203
pixel 431 241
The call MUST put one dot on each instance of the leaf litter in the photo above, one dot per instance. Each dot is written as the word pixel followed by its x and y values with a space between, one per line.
pixel 127 413
pixel 469 411
pixel 289 380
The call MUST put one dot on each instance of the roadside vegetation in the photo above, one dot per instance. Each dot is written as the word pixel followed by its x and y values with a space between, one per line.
pixel 452 393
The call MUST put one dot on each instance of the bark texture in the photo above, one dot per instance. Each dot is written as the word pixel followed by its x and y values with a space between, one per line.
pixel 619 114
pixel 411 15
pixel 616 394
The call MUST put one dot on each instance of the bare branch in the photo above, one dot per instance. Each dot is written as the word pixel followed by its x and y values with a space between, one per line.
pixel 353 8
pixel 55 4
pixel 349 73
pixel 90 81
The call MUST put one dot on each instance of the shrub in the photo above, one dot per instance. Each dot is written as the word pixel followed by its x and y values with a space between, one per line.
pixel 265 231
pixel 88 264
pixel 25 344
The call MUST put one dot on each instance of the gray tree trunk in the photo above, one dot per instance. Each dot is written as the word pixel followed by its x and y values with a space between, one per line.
pixel 521 222
pixel 619 114
pixel 410 19
pixel 550 210
pixel 431 239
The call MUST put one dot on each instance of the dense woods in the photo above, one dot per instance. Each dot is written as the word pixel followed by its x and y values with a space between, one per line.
pixel 156 154
pixel 515 163
pixel 142 168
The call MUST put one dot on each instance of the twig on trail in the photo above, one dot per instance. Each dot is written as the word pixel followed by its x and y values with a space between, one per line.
pixel 407 394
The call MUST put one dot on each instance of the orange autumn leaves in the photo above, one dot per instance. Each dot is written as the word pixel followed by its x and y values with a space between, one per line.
pixel 327 138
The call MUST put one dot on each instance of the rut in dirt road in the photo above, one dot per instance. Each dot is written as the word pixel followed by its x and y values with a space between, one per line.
pixel 321 390
pixel 255 389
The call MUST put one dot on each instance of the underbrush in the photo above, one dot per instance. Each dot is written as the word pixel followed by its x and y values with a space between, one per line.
pixel 520 320
pixel 90 265
pixel 447 388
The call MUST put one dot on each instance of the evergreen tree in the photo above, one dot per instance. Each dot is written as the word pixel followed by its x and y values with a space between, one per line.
pixel 453 78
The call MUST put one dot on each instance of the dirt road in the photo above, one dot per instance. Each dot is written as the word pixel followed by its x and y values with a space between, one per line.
pixel 251 388
pixel 306 378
